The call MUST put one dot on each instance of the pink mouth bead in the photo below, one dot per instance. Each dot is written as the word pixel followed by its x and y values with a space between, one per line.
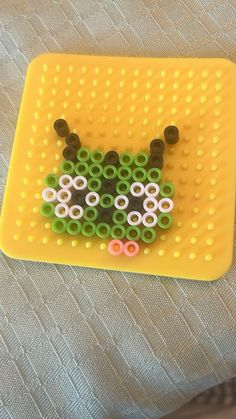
pixel 116 247
pixel 131 248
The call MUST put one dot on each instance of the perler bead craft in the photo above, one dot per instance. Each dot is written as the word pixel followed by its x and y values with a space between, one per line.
pixel 137 204
pixel 124 164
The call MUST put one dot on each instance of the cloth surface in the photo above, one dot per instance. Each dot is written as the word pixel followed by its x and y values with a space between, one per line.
pixel 80 343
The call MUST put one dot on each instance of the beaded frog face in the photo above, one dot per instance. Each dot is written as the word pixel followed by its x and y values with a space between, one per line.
pixel 120 198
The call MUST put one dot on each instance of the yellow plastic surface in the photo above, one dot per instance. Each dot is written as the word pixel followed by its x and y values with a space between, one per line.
pixel 124 103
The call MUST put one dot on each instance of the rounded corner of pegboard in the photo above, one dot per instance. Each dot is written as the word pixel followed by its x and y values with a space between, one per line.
pixel 218 274
pixel 38 59
pixel 6 249
pixel 227 62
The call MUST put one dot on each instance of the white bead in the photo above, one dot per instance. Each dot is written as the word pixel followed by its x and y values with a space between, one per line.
pixel 65 181
pixel 61 210
pixel 134 218
pixel 49 195
pixel 76 212
pixel 137 189
pixel 166 205
pixel 121 202
pixel 92 199
pixel 149 219
pixel 64 195
pixel 152 189
pixel 150 204
pixel 80 183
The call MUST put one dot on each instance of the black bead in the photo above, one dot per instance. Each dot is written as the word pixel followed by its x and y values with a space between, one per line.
pixel 105 215
pixel 61 127
pixel 171 134
pixel 135 204
pixel 157 146
pixel 155 160
pixel 78 198
pixel 111 157
pixel 109 186
pixel 73 140
pixel 69 153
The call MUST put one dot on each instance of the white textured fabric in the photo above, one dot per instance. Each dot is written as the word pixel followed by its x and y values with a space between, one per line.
pixel 79 343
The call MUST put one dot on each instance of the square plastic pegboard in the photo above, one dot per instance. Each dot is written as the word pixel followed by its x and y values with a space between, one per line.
pixel 123 103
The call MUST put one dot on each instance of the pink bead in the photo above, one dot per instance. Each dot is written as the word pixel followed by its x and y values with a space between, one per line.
pixel 116 247
pixel 131 248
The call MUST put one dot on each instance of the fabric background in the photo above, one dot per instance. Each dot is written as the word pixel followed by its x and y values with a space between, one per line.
pixel 79 343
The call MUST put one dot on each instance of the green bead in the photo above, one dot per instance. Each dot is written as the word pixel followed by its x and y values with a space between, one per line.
pixel 154 175
pixel 97 156
pixel 110 171
pixel 148 235
pixel 81 168
pixel 83 154
pixel 103 230
pixel 141 159
pixel 122 187
pixel 139 174
pixel 95 170
pixel 47 209
pixel 88 229
pixel 90 213
pixel 119 217
pixel 126 159
pixel 118 232
pixel 51 180
pixel 165 220
pixel 124 173
pixel 106 200
pixel 167 190
pixel 59 225
pixel 67 167
pixel 133 233
pixel 73 227
pixel 94 184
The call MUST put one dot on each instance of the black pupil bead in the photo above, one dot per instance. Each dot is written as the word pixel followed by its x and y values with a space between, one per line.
pixel 135 204
pixel 61 127
pixel 111 157
pixel 155 160
pixel 69 153
pixel 105 215
pixel 78 197
pixel 157 146
pixel 73 140
pixel 109 186
pixel 171 134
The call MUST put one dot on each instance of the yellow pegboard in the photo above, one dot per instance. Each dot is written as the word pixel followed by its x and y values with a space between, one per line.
pixel 123 103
